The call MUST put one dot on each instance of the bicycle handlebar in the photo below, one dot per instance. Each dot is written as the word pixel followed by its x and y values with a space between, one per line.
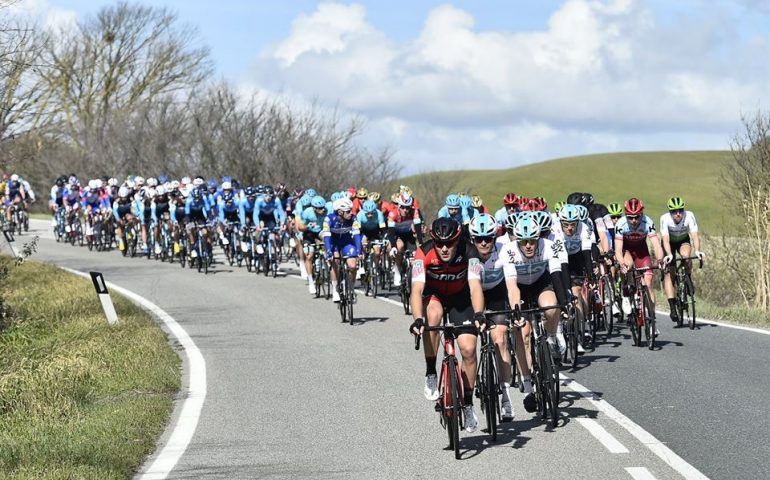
pixel 691 257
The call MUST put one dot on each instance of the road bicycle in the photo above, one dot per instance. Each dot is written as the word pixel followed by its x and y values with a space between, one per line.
pixel 571 328
pixel 685 291
pixel 488 388
pixel 405 290
pixel 321 273
pixel 642 317
pixel 345 288
pixel 372 269
pixel 545 371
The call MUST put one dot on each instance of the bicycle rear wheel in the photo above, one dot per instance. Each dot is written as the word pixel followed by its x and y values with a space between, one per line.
pixel 608 301
pixel 649 318
pixel 349 293
pixel 690 300
pixel 551 383
pixel 490 394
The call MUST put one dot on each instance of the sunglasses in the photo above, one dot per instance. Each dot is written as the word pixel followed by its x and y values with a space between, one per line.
pixel 632 217
pixel 529 241
pixel 614 217
pixel 569 224
pixel 484 239
pixel 678 210
pixel 441 244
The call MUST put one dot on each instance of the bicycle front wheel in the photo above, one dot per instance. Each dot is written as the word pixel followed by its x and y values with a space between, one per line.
pixel 453 422
pixel 690 300
pixel 349 293
pixel 490 393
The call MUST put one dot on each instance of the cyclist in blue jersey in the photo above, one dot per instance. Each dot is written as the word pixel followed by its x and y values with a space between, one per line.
pixel 72 203
pixel 16 194
pixel 144 210
pixel 373 227
pixel 310 224
pixel 466 207
pixel 269 216
pixel 342 236
pixel 178 200
pixel 453 210
pixel 160 212
pixel 229 211
pixel 95 204
pixel 300 204
pixel 196 213
pixel 246 207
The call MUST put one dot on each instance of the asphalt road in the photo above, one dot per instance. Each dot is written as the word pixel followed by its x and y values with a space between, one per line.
pixel 294 393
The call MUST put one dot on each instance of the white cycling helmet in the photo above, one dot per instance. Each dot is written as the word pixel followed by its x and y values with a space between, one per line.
pixel 139 181
pixel 123 192
pixel 98 183
pixel 113 182
pixel 483 225
pixel 91 184
pixel 185 181
pixel 197 182
pixel 14 178
pixel 343 204
pixel 152 182
pixel 175 184
pixel 160 191
pixel 227 186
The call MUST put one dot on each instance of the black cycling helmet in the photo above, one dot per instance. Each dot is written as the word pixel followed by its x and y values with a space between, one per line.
pixel 575 198
pixel 587 200
pixel 445 230
pixel 597 210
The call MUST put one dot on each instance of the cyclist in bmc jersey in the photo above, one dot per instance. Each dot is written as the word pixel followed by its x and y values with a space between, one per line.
pixel 679 234
pixel 440 284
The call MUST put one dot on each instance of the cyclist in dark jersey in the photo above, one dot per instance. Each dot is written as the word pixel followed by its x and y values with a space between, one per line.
pixel 439 283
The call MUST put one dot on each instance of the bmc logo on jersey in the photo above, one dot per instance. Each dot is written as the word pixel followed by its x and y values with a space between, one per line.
pixel 447 277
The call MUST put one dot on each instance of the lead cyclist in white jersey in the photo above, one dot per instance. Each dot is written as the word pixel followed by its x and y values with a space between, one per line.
pixel 679 233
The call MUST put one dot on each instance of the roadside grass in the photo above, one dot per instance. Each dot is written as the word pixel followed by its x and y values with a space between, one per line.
pixel 610 177
pixel 78 398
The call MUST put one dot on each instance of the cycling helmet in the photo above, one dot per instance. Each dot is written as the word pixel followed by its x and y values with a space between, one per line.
pixel 14 178
pixel 152 182
pixel 405 189
pixel 196 193
pixel 227 186
pixel 510 222
pixel 445 230
pixel 544 220
pixel 483 225
pixel 318 202
pixel 558 206
pixel 524 204
pixel 582 212
pixel 280 187
pixel 59 182
pixel 139 181
pixel 574 198
pixel 466 202
pixel 526 228
pixel 538 204
pixel 597 210
pixel 269 192
pixel 675 203
pixel 343 204
pixel 587 200
pixel 260 189
pixel 362 193
pixel 394 198
pixel 374 196
pixel 405 200
pixel 160 191
pixel 228 196
pixel 569 213
pixel 510 199
pixel 336 196
pixel 123 192
pixel 227 178
pixel 250 192
pixel 633 206
pixel 369 207
pixel 163 179
pixel 91 184
pixel 476 201
pixel 73 180
pixel 310 192
pixel 615 209
pixel 212 184
pixel 452 201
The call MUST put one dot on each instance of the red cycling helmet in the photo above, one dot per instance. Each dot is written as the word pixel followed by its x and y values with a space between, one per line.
pixel 633 206
pixel 524 205
pixel 510 199
pixel 537 204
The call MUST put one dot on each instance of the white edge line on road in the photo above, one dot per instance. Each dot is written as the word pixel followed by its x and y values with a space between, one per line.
pixel 722 324
pixel 605 438
pixel 190 411
pixel 656 446
pixel 640 473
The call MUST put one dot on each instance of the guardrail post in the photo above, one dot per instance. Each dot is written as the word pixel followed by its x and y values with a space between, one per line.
pixel 11 241
pixel 104 297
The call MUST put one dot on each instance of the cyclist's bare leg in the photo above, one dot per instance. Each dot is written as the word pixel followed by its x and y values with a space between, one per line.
pixel 499 337
pixel 547 298
pixel 522 350
pixel 467 345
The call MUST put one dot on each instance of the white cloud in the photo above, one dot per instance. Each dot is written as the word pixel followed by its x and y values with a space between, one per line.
pixel 41 12
pixel 603 74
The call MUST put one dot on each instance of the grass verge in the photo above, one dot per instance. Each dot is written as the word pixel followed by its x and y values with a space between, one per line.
pixel 78 398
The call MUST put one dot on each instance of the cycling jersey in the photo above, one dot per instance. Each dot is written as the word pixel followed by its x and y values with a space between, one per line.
pixel 13 190
pixel 490 273
pixel 341 235
pixel 121 207
pixel 634 237
pixel 195 210
pixel 269 212
pixel 371 225
pixel 526 271
pixel 57 195
pixel 312 220
pixel 460 217
pixel 228 211
pixel 94 202
pixel 678 232
pixel 160 206
pixel 443 279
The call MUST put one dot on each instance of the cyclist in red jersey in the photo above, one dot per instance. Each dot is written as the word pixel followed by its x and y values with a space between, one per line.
pixel 361 196
pixel 440 282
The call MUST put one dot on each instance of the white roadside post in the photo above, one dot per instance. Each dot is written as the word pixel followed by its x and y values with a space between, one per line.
pixel 104 297
pixel 11 241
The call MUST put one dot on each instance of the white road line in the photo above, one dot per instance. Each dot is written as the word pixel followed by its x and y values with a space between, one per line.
pixel 722 324
pixel 640 473
pixel 656 446
pixel 610 443
pixel 183 431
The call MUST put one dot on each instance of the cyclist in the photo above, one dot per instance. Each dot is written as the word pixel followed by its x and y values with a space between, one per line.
pixel 196 213
pixel 342 237
pixel 15 194
pixel 510 205
pixel 373 227
pixel 310 223
pixel 404 232
pixel 269 216
pixel 95 203
pixel 533 276
pixel 577 242
pixel 122 211
pixel 361 196
pixel 440 283
pixel 679 234
pixel 631 234
pixel 483 230
pixel 229 212
pixel 303 202
pixel 160 212
pixel 58 192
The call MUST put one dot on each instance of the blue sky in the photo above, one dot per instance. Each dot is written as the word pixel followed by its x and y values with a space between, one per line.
pixel 498 83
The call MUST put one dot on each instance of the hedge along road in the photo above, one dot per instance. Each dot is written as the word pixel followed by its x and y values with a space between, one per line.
pixel 292 392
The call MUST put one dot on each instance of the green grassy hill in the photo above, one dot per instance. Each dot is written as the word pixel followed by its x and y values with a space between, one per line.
pixel 611 177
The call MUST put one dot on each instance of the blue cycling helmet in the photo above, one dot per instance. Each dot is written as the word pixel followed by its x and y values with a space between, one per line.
pixel 569 213
pixel 196 194
pixel 227 178
pixel 453 201
pixel 466 202
pixel 582 212
pixel 526 228
pixel 310 192
pixel 483 225
pixel 250 191
pixel 336 196
pixel 163 179
pixel 212 184
pixel 228 196
pixel 318 202
pixel 369 207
